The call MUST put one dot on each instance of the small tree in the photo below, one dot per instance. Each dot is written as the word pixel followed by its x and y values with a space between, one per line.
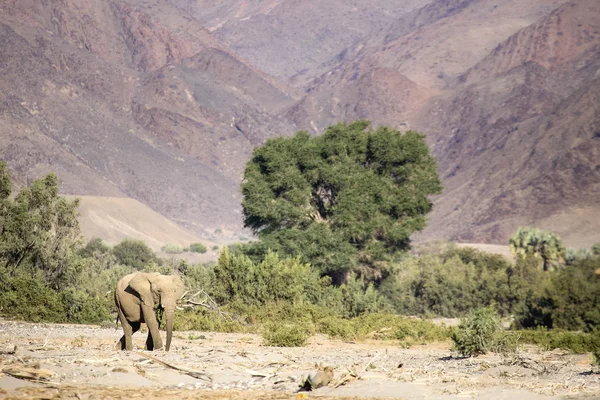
pixel 546 246
pixel 198 248
pixel 134 253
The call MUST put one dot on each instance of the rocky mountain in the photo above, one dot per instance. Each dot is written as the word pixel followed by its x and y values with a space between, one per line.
pixel 164 100
pixel 131 99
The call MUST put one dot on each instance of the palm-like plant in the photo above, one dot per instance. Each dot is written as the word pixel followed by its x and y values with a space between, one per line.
pixel 546 246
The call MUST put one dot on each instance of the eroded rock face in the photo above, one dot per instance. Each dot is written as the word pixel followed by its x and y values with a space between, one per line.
pixel 164 100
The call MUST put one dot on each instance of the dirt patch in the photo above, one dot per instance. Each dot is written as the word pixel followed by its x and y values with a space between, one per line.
pixel 78 361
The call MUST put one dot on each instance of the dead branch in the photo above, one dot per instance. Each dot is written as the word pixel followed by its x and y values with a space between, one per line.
pixel 207 302
pixel 194 374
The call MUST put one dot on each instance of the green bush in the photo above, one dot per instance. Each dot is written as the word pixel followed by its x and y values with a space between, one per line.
pixel 447 282
pixel 237 277
pixel 566 299
pixel 198 248
pixel 336 327
pixel 28 298
pixel 171 248
pixel 285 335
pixel 80 308
pixel 203 320
pixel 577 342
pixel 478 333
pixel 134 253
pixel 94 247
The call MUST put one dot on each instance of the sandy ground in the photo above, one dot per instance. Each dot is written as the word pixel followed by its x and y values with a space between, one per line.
pixel 79 362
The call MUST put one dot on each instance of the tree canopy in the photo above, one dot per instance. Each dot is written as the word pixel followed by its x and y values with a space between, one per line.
pixel 543 245
pixel 348 198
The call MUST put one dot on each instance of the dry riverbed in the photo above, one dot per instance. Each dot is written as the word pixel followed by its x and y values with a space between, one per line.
pixel 79 362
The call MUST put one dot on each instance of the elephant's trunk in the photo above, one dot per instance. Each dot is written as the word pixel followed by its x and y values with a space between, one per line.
pixel 170 317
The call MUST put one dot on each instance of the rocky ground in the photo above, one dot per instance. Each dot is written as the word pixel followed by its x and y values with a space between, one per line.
pixel 79 362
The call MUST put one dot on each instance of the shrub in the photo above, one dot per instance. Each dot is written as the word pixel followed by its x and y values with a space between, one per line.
pixel 83 309
pixel 171 248
pixel 336 327
pixel 134 253
pixel 447 282
pixel 197 276
pixel 285 335
pixel 577 342
pixel 198 248
pixel 567 299
pixel 29 298
pixel 203 320
pixel 273 279
pixel 95 247
pixel 478 332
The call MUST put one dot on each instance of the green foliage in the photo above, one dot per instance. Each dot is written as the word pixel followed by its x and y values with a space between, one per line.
pixel 284 335
pixel 197 276
pixel 567 300
pixel 198 248
pixel 82 308
pixel 134 253
pixel 5 182
pixel 45 275
pixel 27 297
pixel 203 320
pixel 577 342
pixel 574 255
pixel 237 277
pixel 447 281
pixel 353 298
pixel 478 333
pixel 41 232
pixel 388 326
pixel 351 196
pixel 171 248
pixel 94 248
pixel 596 249
pixel 547 246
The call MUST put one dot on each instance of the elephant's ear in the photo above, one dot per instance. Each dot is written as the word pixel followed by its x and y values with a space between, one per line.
pixel 141 284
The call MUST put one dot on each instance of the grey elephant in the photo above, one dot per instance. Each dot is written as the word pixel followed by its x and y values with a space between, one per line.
pixel 136 297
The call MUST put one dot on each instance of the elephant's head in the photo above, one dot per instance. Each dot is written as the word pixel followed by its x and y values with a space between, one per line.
pixel 157 289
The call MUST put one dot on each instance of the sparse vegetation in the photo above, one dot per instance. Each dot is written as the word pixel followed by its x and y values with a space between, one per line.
pixel 171 248
pixel 198 248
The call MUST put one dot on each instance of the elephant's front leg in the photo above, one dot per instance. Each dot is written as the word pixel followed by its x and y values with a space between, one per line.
pixel 154 342
pixel 126 341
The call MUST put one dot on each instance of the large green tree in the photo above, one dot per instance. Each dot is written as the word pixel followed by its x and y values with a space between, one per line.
pixel 348 199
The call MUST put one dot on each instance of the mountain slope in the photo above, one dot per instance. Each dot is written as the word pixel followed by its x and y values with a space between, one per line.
pixel 531 122
pixel 131 99
pixel 163 101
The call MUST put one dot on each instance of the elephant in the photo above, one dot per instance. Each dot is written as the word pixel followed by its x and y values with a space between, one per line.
pixel 136 297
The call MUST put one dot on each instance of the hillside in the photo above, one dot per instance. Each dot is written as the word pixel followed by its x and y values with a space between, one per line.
pixel 163 101
pixel 114 219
